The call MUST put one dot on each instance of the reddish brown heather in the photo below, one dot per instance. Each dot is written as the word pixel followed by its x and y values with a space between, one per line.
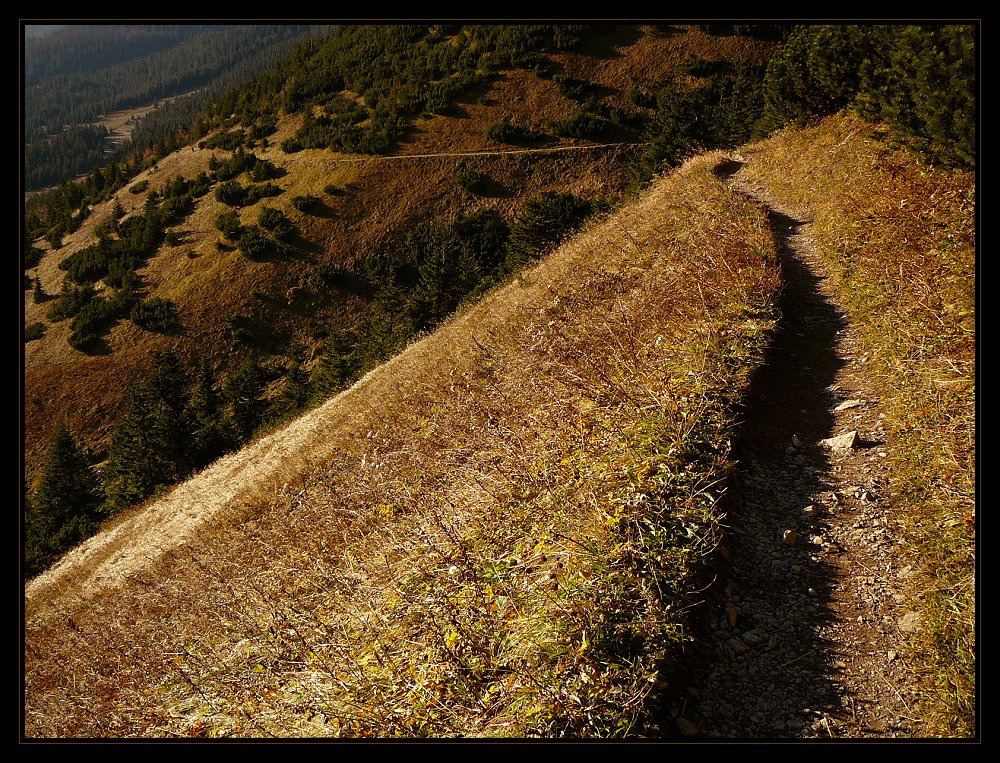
pixel 900 235
pixel 493 534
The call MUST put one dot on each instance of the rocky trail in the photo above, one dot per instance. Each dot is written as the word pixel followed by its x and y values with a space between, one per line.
pixel 807 619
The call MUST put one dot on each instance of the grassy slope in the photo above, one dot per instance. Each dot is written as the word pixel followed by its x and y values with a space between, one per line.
pixel 900 236
pixel 494 534
pixel 383 201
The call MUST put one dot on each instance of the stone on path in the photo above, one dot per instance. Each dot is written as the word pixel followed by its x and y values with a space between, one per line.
pixel 849 404
pixel 909 622
pixel 844 441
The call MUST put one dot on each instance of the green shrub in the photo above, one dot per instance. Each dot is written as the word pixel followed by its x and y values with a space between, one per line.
pixel 919 79
pixel 71 302
pixel 544 222
pixel 226 140
pixel 573 88
pixel 335 275
pixel 258 191
pixel 256 246
pixel 139 187
pixel 229 224
pixel 506 132
pixel 156 314
pixel 582 125
pixel 922 81
pixel 34 331
pixel 274 220
pixel 470 179
pixel 32 256
pixel 262 170
pixel 231 193
pixel 307 204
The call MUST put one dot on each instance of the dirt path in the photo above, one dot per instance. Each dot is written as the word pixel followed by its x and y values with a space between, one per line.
pixel 509 152
pixel 807 623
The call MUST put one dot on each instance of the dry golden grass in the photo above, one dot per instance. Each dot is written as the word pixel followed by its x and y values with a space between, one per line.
pixel 494 534
pixel 900 235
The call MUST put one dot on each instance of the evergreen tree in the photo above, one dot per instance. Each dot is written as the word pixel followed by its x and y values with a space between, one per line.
pixel 133 471
pixel 211 435
pixel 151 443
pixel 167 390
pixel 244 392
pixel 65 508
pixel 38 294
pixel 335 366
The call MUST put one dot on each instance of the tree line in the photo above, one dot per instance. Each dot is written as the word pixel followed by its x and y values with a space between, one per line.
pixel 919 79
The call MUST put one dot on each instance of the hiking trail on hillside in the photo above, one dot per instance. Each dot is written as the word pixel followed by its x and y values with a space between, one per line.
pixel 807 624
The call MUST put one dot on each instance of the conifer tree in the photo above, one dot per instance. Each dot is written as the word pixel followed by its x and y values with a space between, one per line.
pixel 151 444
pixel 244 393
pixel 65 508
pixel 335 367
pixel 210 432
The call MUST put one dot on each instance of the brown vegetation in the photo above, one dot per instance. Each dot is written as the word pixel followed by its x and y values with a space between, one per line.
pixel 495 534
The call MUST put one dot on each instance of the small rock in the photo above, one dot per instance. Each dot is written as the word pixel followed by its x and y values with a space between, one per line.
pixel 796 569
pixel 752 638
pixel 909 622
pixel 809 511
pixel 687 728
pixel 849 404
pixel 844 441
pixel 738 646
pixel 892 655
pixel 790 536
pixel 812 592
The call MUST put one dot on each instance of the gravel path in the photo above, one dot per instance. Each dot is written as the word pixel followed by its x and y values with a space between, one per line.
pixel 806 623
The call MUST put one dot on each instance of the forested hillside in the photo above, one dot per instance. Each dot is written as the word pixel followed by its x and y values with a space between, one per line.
pixel 76 73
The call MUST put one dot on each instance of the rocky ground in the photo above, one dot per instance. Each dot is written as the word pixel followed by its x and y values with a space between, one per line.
pixel 808 618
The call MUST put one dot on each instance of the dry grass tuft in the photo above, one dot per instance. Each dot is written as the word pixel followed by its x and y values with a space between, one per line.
pixel 901 237
pixel 495 534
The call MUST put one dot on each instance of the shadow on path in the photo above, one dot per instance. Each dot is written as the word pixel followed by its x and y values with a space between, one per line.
pixel 764 670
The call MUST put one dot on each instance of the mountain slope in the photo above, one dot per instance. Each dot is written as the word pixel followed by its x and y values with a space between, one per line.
pixel 494 534
pixel 381 203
